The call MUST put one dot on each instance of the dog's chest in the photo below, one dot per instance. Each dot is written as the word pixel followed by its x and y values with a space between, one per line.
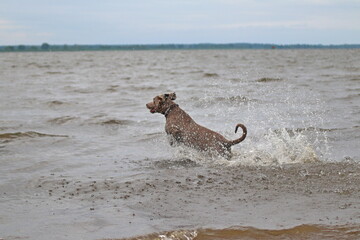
pixel 172 127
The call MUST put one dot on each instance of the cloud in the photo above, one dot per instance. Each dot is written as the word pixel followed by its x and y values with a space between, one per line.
pixel 315 23
pixel 12 33
pixel 263 24
pixel 7 25
pixel 327 2
pixel 9 31
pixel 320 23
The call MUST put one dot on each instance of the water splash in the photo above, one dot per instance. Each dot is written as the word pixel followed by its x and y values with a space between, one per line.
pixel 285 124
pixel 276 147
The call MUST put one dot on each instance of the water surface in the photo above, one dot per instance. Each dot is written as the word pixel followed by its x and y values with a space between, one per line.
pixel 82 157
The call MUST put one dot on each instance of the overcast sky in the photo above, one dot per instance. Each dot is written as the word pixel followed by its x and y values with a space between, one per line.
pixel 179 21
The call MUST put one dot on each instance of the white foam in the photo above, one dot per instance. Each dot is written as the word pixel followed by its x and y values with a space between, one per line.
pixel 276 147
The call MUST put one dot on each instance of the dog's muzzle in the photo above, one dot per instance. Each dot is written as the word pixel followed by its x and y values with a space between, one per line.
pixel 151 108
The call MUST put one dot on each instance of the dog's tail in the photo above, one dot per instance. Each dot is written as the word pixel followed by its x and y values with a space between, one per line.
pixel 242 138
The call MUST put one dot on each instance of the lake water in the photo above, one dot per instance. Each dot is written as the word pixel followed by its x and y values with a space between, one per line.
pixel 82 157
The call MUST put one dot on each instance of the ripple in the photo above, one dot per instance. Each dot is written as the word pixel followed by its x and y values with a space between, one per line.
pixel 211 75
pixel 116 122
pixel 55 103
pixel 266 80
pixel 28 134
pixel 62 120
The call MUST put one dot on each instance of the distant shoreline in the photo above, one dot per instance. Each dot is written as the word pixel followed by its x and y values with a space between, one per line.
pixel 199 46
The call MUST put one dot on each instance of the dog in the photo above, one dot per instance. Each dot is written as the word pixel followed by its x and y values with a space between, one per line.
pixel 182 129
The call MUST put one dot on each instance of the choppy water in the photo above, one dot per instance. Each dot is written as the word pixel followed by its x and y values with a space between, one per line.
pixel 81 156
pixel 299 232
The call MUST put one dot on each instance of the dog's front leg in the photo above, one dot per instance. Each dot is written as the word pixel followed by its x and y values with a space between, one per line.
pixel 172 140
pixel 174 136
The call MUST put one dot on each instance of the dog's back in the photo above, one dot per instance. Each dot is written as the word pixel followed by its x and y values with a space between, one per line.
pixel 183 129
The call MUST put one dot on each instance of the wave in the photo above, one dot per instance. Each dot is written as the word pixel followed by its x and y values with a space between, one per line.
pixel 62 120
pixel 116 122
pixel 29 134
pixel 144 88
pixel 152 136
pixel 35 64
pixel 55 103
pixel 196 71
pixel 266 80
pixel 350 97
pixel 93 120
pixel 98 120
pixel 113 88
pixel 210 75
pixel 53 72
pixel 306 231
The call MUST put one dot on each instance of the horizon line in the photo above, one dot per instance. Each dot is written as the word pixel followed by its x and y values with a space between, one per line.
pixel 174 43
pixel 168 46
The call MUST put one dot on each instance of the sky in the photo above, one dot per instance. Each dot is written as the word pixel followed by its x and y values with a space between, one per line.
pixel 179 21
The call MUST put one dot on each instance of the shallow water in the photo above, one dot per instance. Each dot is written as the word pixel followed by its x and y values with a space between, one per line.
pixel 82 157
pixel 300 232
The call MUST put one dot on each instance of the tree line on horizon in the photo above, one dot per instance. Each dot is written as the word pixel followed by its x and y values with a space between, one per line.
pixel 99 47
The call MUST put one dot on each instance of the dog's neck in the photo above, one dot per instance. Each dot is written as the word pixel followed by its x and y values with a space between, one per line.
pixel 168 110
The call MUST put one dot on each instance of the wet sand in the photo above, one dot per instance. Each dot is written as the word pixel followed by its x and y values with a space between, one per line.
pixel 261 197
pixel 318 232
pixel 181 195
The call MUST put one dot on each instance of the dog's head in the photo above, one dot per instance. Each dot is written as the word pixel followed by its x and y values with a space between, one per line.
pixel 161 103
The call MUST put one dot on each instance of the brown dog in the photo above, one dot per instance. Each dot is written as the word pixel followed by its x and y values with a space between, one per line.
pixel 183 129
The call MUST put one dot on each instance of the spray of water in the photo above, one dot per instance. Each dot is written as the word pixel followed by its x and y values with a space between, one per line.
pixel 285 123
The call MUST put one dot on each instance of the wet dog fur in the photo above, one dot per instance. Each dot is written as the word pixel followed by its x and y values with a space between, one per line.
pixel 182 129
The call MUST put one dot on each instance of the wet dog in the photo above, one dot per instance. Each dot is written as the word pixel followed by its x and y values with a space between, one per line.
pixel 182 129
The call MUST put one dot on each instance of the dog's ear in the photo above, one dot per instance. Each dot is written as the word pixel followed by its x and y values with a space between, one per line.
pixel 171 96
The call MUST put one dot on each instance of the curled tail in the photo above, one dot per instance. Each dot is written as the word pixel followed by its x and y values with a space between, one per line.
pixel 236 141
